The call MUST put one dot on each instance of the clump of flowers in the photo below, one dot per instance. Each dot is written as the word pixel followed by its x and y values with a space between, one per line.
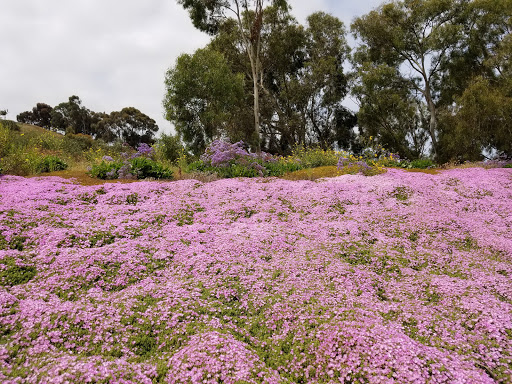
pixel 137 165
pixel 233 160
pixel 355 165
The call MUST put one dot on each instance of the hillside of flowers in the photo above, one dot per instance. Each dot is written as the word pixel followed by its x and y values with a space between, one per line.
pixel 397 278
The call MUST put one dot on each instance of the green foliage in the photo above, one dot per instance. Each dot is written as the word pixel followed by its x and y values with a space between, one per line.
pixel 423 72
pixel 50 164
pixel 314 157
pixel 75 145
pixel 139 168
pixel 297 81
pixel 229 171
pixel 482 122
pixel 203 95
pixel 101 238
pixel 170 147
pixel 106 170
pixel 129 125
pixel 40 116
pixel 10 125
pixel 402 193
pixel 72 117
pixel 144 167
pixel 421 163
pixel 301 165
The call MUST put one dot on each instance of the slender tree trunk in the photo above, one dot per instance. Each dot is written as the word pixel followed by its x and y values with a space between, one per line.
pixel 433 126
pixel 256 90
pixel 432 109
pixel 433 121
pixel 252 46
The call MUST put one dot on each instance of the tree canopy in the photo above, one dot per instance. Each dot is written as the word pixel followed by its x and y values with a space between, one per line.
pixel 209 16
pixel 302 85
pixel 41 115
pixel 421 69
pixel 129 125
pixel 203 97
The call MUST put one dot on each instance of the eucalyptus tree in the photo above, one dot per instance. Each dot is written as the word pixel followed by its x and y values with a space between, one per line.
pixel 203 98
pixel 209 15
pixel 304 83
pixel 480 118
pixel 72 117
pixel 40 116
pixel 414 37
pixel 132 126
pixel 388 112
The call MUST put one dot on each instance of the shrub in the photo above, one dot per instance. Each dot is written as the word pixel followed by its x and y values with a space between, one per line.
pixel 353 165
pixel 138 165
pixel 170 148
pixel 50 164
pixel 76 144
pixel 11 125
pixel 314 157
pixel 281 166
pixel 421 163
pixel 143 167
pixel 106 170
pixel 232 160
pixel 16 163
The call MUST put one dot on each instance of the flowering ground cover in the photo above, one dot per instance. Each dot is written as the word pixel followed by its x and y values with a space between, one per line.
pixel 401 277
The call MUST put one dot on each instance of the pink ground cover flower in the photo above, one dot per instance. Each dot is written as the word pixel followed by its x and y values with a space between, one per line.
pixel 401 277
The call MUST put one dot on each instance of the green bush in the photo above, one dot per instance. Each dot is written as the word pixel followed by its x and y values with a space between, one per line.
pixel 421 164
pixel 505 166
pixel 17 164
pixel 170 148
pixel 315 157
pixel 280 167
pixel 137 168
pixel 76 144
pixel 50 164
pixel 106 170
pixel 143 167
pixel 11 125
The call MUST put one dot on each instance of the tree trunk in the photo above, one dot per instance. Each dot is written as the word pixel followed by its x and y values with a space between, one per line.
pixel 432 124
pixel 256 90
pixel 433 118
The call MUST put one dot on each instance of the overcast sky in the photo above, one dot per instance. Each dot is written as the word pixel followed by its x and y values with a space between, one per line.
pixel 111 53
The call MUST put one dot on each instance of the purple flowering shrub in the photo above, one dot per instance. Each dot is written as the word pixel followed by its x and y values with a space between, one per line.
pixel 398 278
pixel 233 160
pixel 133 165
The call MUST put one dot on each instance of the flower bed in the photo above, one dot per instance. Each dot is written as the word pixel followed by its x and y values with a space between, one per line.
pixel 401 277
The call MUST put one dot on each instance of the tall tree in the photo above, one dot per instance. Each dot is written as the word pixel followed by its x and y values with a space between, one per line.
pixel 203 98
pixel 388 111
pixel 303 84
pixel 130 125
pixel 322 83
pixel 414 36
pixel 72 117
pixel 479 118
pixel 40 116
pixel 3 113
pixel 208 15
